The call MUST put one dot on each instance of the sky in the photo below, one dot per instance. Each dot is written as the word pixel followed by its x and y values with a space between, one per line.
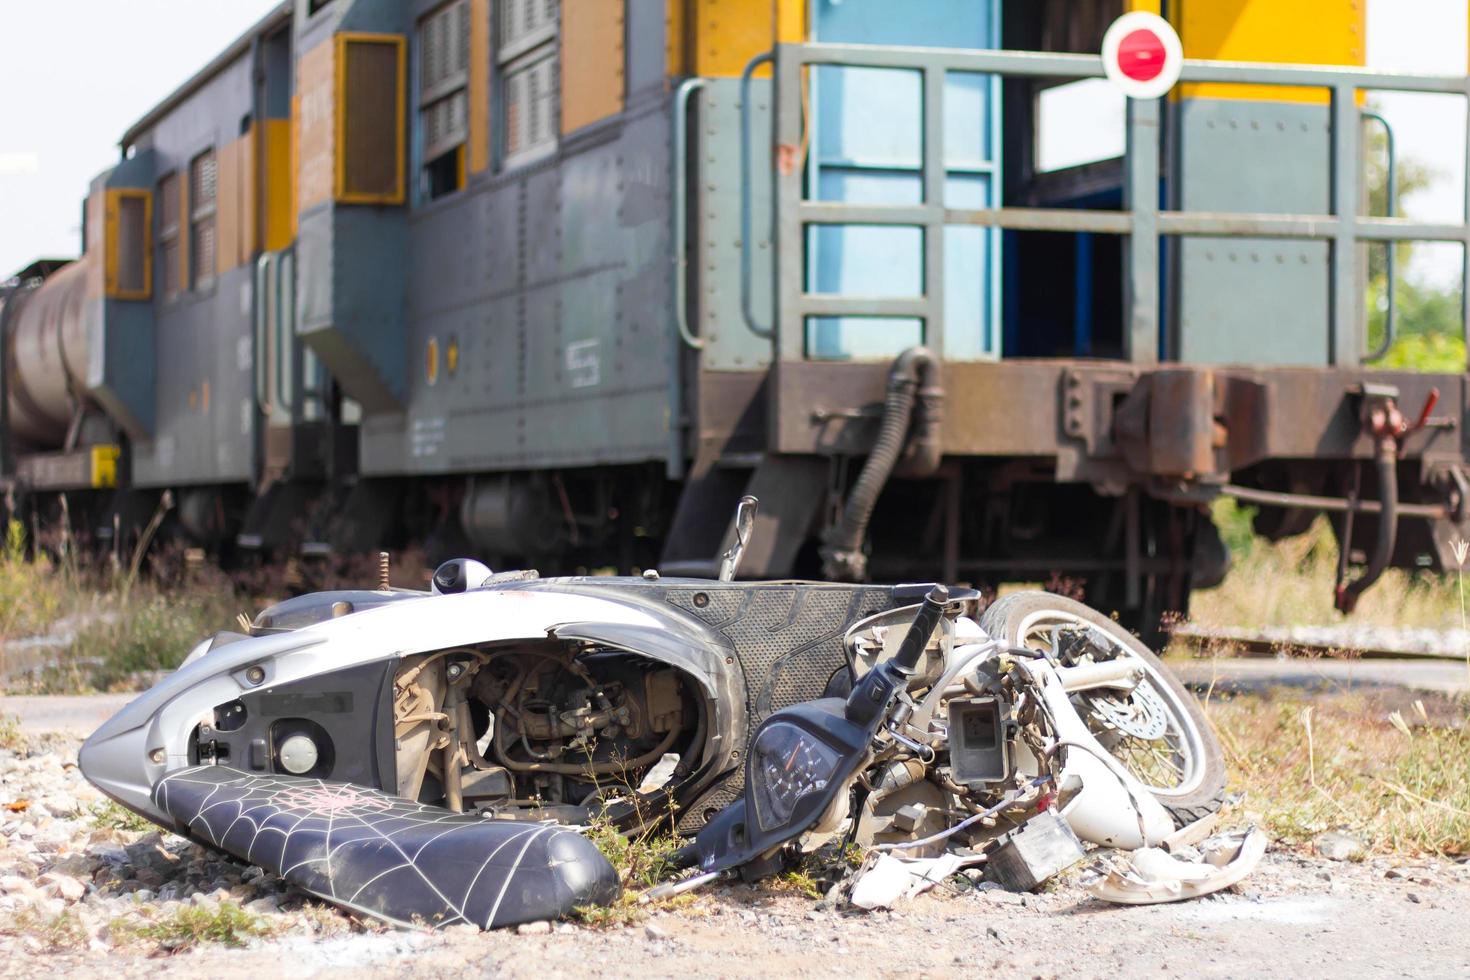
pixel 76 73
pixel 1426 37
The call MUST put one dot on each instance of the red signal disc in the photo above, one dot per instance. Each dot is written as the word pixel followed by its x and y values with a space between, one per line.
pixel 1141 55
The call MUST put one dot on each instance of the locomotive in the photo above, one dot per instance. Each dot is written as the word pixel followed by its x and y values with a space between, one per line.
pixel 557 283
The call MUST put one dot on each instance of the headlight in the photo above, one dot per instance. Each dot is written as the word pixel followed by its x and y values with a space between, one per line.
pixel 787 764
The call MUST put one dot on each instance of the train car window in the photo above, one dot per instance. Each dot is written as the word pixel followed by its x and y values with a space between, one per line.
pixel 170 255
pixel 312 6
pixel 203 193
pixel 127 244
pixel 526 58
pixel 370 118
pixel 444 75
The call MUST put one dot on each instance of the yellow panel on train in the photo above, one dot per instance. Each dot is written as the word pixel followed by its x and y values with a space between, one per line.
pixel 728 33
pixel 591 64
pixel 1302 32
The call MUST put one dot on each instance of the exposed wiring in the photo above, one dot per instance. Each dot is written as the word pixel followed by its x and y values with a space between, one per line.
pixel 1010 798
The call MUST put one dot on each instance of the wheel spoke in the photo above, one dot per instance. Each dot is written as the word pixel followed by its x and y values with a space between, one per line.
pixel 1163 763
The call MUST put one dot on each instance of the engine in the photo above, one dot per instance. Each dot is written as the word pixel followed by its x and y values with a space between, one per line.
pixel 551 730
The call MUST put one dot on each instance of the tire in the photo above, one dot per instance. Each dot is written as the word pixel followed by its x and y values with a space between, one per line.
pixel 1017 618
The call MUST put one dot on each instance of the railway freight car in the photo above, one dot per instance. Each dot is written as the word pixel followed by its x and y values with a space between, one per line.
pixel 559 282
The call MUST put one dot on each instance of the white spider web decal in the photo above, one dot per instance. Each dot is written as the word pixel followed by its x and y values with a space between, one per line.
pixel 400 861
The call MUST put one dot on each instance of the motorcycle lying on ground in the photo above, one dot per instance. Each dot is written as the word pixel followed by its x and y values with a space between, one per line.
pixel 430 757
pixel 982 746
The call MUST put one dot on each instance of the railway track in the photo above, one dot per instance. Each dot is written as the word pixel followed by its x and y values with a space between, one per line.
pixel 1341 641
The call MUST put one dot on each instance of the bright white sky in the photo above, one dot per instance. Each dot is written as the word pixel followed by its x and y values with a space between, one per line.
pixel 76 73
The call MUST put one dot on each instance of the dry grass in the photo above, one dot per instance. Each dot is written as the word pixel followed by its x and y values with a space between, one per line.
pixel 1397 778
pixel 1290 583
pixel 125 626
pixel 12 739
pixel 31 597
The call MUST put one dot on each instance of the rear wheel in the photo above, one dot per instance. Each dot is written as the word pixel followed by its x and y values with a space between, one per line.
pixel 1157 731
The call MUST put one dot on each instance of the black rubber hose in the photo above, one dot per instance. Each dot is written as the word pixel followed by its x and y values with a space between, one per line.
pixel 842 554
pixel 1386 463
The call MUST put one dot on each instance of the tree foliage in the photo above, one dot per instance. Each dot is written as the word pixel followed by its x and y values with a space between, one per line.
pixel 1427 319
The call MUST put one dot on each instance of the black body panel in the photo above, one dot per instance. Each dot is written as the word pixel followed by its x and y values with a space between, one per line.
pixel 404 862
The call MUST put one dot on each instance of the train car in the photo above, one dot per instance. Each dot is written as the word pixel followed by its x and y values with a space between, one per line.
pixel 558 283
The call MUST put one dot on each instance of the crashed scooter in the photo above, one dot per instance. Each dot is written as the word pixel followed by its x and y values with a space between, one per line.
pixel 955 740
pixel 430 757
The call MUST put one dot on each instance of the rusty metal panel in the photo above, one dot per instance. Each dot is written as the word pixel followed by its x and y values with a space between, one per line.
pixel 1181 422
pixel 991 409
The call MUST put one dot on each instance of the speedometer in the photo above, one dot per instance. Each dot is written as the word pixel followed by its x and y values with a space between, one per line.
pixel 788 764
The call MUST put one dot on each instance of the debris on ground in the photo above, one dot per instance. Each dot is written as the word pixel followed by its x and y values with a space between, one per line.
pixel 140 888
pixel 1338 846
pixel 1153 875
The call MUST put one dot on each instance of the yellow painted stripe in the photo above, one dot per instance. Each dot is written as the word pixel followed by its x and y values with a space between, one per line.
pixel 1146 6
pixel 675 42
pixel 1292 32
pixel 280 191
pixel 591 64
pixel 295 164
pixel 728 33
pixel 790 21
pixel 104 465
pixel 479 97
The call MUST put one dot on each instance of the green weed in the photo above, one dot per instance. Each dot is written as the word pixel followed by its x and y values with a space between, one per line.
pixel 107 815
pixel 61 931
pixel 226 924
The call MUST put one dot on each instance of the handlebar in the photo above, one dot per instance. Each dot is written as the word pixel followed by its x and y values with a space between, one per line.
pixel 926 621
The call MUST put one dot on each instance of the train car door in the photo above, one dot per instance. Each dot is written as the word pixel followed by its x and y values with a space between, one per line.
pixel 866 147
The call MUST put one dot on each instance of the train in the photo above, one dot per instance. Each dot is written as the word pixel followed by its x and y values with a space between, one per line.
pixel 556 284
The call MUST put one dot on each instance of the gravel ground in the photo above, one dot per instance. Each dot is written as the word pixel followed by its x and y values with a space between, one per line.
pixel 82 893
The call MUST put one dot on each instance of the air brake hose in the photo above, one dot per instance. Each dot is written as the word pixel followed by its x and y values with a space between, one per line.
pixel 914 378
pixel 1386 463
